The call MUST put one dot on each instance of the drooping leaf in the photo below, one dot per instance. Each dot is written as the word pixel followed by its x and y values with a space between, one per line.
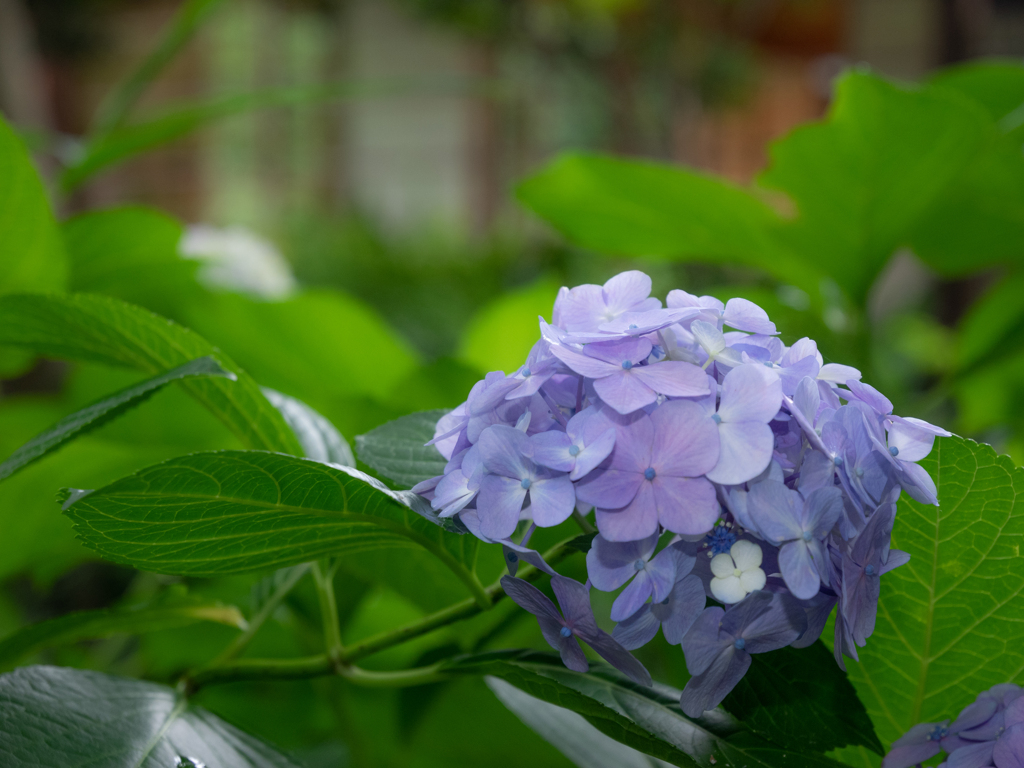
pixel 319 439
pixel 646 719
pixel 96 415
pixel 574 737
pixel 88 625
pixel 105 330
pixel 31 254
pixel 949 621
pixel 800 699
pixel 397 449
pixel 237 511
pixel 76 718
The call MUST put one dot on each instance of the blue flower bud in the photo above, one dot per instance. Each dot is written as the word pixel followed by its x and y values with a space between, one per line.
pixel 565 632
pixel 526 372
pixel 627 364
pixel 808 535
pixel 639 564
pixel 525 483
pixel 633 326
pixel 894 450
pixel 574 450
pixel 513 557
pixel 870 570
pixel 740 644
pixel 838 461
pixel 716 418
pixel 649 473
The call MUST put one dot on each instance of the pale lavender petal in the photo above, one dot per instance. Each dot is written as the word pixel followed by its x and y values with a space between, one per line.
pixel 680 298
pixel 870 396
pixel 571 653
pixel 610 564
pixel 498 506
pixel 552 500
pixel 639 629
pixel 673 378
pixel 581 307
pixel 632 597
pixel 834 373
pixel 574 600
pixel 774 510
pixel 551 449
pixel 745 450
pixel 821 511
pixel 611 651
pixel 704 642
pixel 974 714
pixel 634 438
pixel 918 484
pixel 619 351
pixel 798 570
pixel 640 323
pixel 922 425
pixel 793 375
pixel 593 454
pixel 750 393
pixel 708 689
pixel 624 391
pixel 637 520
pixel 897 558
pixel 529 598
pixel 688 506
pixel 910 442
pixel 501 449
pixel 806 399
pixel 1009 750
pixel 662 572
pixel 913 747
pixel 686 603
pixel 775 628
pixel 747 316
pixel 685 439
pixel 802 348
pixel 453 494
pixel 972 756
pixel 584 364
pixel 711 339
pixel 610 488
pixel 818 609
pixel 514 554
pixel 626 290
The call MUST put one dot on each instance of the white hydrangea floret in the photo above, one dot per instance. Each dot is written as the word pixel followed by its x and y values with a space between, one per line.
pixel 737 572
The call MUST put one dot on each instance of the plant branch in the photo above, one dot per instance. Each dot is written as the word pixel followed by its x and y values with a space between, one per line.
pixel 323 574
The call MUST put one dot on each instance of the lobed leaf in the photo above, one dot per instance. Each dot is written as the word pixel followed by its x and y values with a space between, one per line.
pixel 949 621
pixel 397 450
pixel 76 718
pixel 99 413
pixel 105 330
pixel 238 511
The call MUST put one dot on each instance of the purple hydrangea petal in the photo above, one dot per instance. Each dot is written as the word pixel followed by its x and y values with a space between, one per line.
pixel 514 554
pixel 686 603
pixel 818 609
pixel 611 488
pixel 498 506
pixel 972 756
pixel 617 352
pixel 910 442
pixel 834 373
pixel 685 439
pixel 974 714
pixel 584 365
pixel 501 449
pixel 611 651
pixel 822 509
pixel 529 598
pixel 624 391
pixel 593 453
pixel 1009 749
pixel 611 564
pixel 750 393
pixel 673 378
pixel 639 629
pixel 914 747
pixel 574 599
pixel 632 597
pixel 453 494
pixel 709 336
pixel 551 449
pixel 704 642
pixel 745 315
pixel 745 450
pixel 647 321
pixel 637 520
pixel 870 396
pixel 918 484
pixel 766 621
pixel 688 506
pixel 798 570
pixel 807 400
pixel 775 511
pixel 793 375
pixel 552 500
pixel 708 689
pixel 662 572
pixel 628 290
pixel 571 653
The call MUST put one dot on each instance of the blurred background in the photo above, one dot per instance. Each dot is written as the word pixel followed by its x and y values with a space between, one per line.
pixel 325 189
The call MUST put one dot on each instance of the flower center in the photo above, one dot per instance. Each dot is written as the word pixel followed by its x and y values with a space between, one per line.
pixel 527 372
pixel 870 570
pixel 565 632
pixel 720 540
pixel 737 572
pixel 525 483
pixel 639 564
pixel 633 326
pixel 808 536
pixel 740 644
pixel 513 557
pixel 838 461
pixel 627 364
pixel 859 471
pixel 574 450
pixel 939 733
pixel 716 418
pixel 894 450
pixel 650 474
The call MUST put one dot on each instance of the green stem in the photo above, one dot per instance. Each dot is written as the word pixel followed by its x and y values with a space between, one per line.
pixel 582 522
pixel 323 574
pixel 241 642
pixel 307 667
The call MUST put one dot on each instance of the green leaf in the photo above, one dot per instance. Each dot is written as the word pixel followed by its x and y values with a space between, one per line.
pixel 512 318
pixel 238 511
pixel 319 439
pixel 88 625
pixel 397 451
pixel 949 621
pixel 648 210
pixel 130 253
pixel 998 86
pixel 574 737
pixel 799 698
pixel 646 719
pixel 31 255
pixel 993 321
pixel 76 718
pixel 863 177
pixel 105 330
pixel 99 413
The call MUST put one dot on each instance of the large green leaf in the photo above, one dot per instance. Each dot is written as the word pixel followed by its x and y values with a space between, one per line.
pixel 31 255
pixel 398 450
pixel 237 511
pixel 862 178
pixel 99 413
pixel 105 330
pixel 319 439
pixel 996 85
pixel 949 621
pixel 76 718
pixel 646 719
pixel 800 699
pixel 87 625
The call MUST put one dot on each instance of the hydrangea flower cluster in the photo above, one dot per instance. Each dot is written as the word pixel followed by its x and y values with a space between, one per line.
pixel 989 732
pixel 720 464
